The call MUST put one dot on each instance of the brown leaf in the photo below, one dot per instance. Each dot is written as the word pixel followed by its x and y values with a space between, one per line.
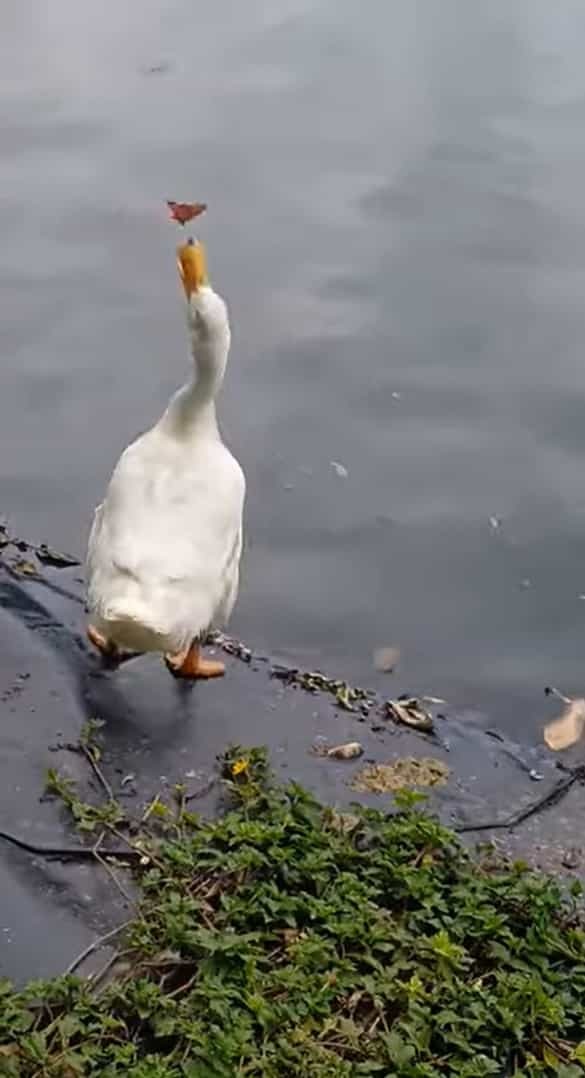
pixel 291 935
pixel 24 568
pixel 568 728
pixel 346 752
pixel 411 713
pixel 344 821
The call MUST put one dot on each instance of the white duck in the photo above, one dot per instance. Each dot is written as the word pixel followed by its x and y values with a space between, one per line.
pixel 164 550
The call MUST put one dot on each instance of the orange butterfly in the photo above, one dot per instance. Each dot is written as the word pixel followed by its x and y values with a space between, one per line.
pixel 182 212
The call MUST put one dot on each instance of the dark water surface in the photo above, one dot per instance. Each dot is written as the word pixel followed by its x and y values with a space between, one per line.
pixel 397 218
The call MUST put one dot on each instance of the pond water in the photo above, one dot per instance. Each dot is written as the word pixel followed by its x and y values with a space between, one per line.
pixel 397 220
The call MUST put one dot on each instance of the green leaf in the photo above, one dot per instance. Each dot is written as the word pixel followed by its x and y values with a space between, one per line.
pixel 550 1057
pixel 398 1051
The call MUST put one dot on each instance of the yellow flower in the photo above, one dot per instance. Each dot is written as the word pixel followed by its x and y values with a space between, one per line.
pixel 238 766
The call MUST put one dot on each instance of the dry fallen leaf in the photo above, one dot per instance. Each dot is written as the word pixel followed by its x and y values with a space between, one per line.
pixel 386 659
pixel 346 752
pixel 291 935
pixel 343 821
pixel 410 713
pixel 24 568
pixel 568 728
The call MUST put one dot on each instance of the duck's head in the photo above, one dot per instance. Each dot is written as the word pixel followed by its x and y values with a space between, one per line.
pixel 207 313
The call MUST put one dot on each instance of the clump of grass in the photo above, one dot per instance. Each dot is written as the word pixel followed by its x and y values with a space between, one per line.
pixel 285 940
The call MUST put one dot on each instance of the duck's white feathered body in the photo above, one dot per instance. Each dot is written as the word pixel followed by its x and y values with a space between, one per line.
pixel 165 545
pixel 164 550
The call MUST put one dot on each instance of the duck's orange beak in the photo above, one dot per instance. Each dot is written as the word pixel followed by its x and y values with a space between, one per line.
pixel 192 266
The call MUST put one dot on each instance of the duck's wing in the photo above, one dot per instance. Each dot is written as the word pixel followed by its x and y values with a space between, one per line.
pixel 167 531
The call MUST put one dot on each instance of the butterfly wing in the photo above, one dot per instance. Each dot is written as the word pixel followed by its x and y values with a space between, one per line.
pixel 185 211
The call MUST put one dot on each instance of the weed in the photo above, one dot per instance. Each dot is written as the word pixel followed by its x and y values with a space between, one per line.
pixel 285 940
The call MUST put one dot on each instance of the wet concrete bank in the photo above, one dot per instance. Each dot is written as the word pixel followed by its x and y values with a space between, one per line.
pixel 158 731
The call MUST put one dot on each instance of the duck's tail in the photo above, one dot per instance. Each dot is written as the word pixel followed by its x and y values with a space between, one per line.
pixel 129 623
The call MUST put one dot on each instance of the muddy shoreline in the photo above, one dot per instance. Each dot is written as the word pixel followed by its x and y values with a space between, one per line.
pixel 157 731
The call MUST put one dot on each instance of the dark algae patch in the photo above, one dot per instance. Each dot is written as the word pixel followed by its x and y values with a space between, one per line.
pixel 275 942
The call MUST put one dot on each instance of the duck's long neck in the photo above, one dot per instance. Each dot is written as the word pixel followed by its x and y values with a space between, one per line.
pixel 192 409
pixel 209 359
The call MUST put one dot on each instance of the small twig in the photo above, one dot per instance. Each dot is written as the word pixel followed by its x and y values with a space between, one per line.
pixel 174 963
pixel 110 871
pixel 150 809
pixel 183 987
pixel 420 856
pixel 135 850
pixel 559 790
pixel 96 979
pixel 95 946
pixel 74 853
pixel 89 756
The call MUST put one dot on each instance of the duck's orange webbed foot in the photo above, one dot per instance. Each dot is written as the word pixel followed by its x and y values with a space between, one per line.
pixel 191 664
pixel 110 652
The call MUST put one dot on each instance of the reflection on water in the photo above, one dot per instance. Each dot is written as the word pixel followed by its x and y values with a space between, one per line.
pixel 396 216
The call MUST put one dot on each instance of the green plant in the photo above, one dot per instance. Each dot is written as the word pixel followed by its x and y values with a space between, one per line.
pixel 286 940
